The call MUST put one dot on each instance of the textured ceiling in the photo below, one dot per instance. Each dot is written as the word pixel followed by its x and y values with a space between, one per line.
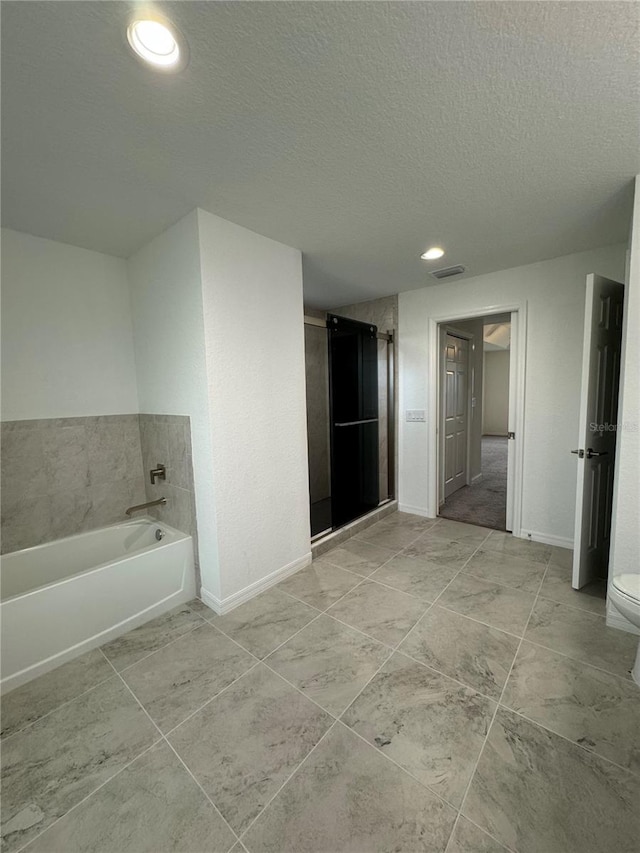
pixel 360 132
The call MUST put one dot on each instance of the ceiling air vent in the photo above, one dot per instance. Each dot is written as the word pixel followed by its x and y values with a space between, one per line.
pixel 447 272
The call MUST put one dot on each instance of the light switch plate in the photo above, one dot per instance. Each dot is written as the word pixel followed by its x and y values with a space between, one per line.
pixel 416 415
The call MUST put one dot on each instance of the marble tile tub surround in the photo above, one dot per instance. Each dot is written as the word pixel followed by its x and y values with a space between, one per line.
pixel 63 476
pixel 302 731
pixel 167 439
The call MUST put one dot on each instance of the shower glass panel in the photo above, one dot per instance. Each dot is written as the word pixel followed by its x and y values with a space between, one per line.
pixel 353 408
pixel 318 439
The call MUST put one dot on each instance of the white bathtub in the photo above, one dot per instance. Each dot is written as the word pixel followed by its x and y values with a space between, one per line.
pixel 61 599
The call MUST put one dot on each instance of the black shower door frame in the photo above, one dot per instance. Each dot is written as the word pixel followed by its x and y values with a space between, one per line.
pixel 362 419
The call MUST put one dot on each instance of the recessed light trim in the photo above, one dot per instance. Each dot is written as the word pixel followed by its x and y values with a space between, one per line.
pixel 157 43
pixel 432 254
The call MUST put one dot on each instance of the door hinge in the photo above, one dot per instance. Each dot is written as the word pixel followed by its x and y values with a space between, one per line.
pixel 511 435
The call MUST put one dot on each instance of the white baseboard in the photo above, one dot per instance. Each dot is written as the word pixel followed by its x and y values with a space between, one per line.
pixel 546 538
pixel 476 479
pixel 224 605
pixel 414 510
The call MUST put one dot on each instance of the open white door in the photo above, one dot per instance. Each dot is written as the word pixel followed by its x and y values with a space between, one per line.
pixel 597 428
pixel 455 413
pixel 513 408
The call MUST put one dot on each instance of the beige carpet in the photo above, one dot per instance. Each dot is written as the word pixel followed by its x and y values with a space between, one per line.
pixel 485 502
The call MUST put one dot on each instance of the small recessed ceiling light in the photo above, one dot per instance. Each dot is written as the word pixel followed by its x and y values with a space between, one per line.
pixel 157 43
pixel 432 254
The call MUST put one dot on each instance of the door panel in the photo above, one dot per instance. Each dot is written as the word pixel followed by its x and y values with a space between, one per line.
pixel 353 381
pixel 597 428
pixel 449 456
pixel 516 329
pixel 455 406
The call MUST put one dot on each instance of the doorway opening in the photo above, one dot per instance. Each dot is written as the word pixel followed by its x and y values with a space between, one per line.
pixel 476 373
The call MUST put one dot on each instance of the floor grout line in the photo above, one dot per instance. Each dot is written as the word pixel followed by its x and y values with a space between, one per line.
pixel 501 583
pixel 401 651
pixel 371 579
pixel 391 760
pixel 478 621
pixel 336 721
pixel 392 650
pixel 477 825
pixel 163 737
pixel 28 725
pixel 299 690
pixel 626 678
pixel 498 705
pixel 353 571
pixel 377 519
pixel 163 646
pixel 203 621
pixel 575 607
pixel 376 544
pixel 234 834
pixel 170 745
pixel 396 648
pixel 341 621
pixel 327 565
pixel 271 799
pixel 568 739
pixel 440 594
pixel 212 698
pixel 331 727
pixel 325 612
pixel 89 796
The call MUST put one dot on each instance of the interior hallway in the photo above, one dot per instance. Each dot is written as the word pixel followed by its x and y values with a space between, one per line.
pixel 484 502
pixel 427 686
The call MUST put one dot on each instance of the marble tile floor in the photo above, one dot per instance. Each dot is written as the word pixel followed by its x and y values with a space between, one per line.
pixel 428 686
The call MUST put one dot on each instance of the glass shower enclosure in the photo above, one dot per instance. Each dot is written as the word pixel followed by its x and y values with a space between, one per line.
pixel 349 373
pixel 353 413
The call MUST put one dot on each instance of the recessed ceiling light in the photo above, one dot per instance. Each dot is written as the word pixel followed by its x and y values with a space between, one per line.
pixel 432 254
pixel 157 43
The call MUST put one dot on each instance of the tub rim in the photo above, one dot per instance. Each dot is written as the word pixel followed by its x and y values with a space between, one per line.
pixel 180 536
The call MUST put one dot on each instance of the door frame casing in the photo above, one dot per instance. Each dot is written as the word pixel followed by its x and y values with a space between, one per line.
pixel 444 330
pixel 519 318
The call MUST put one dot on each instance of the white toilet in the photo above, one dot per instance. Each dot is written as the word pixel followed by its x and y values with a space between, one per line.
pixel 624 592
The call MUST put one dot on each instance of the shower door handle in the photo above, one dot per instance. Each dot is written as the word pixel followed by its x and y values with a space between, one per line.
pixel 357 423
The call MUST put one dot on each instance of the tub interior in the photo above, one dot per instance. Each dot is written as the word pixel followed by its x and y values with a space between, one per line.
pixel 33 568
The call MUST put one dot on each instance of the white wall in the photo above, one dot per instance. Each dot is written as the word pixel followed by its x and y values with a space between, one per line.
pixel 67 344
pixel 625 532
pixel 253 315
pixel 555 293
pixel 166 293
pixel 495 403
